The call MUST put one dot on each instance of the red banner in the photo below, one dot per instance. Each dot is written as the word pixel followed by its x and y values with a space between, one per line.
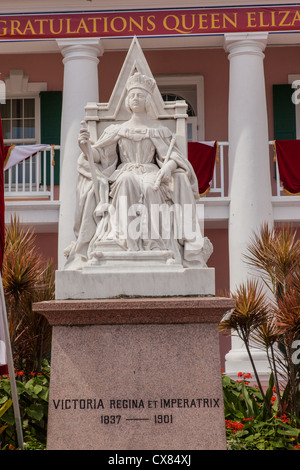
pixel 288 157
pixel 175 22
pixel 203 157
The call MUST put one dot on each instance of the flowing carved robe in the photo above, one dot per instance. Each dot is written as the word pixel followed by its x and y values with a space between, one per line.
pixel 127 161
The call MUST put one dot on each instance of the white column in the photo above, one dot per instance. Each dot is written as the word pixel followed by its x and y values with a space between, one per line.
pixel 80 58
pixel 249 168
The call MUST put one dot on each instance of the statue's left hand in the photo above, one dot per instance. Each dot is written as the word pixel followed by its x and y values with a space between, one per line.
pixel 165 173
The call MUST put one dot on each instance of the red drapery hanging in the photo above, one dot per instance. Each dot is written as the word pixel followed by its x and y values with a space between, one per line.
pixel 288 158
pixel 202 156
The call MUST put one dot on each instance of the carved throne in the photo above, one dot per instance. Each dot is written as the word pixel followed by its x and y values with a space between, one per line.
pixel 100 115
pixel 114 272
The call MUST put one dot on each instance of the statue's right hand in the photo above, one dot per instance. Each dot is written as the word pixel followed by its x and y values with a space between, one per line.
pixel 84 138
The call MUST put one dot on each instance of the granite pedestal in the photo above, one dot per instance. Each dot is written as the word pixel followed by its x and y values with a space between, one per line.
pixel 136 373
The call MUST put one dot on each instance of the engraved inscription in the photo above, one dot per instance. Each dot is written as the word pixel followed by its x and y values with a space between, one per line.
pixel 160 411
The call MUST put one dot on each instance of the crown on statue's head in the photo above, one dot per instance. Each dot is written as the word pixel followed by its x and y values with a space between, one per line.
pixel 138 80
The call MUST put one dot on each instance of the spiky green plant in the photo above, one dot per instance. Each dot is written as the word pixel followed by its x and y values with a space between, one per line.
pixel 274 256
pixel 249 314
pixel 275 253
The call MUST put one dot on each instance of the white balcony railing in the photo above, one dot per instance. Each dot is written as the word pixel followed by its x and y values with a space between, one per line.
pixel 218 184
pixel 33 177
pixel 278 190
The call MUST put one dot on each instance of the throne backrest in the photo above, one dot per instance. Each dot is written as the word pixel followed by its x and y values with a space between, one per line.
pixel 172 114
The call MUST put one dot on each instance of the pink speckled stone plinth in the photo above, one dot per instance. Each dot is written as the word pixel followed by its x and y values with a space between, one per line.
pixel 136 373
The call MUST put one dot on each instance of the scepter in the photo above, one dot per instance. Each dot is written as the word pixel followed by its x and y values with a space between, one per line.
pixel 158 180
pixel 89 155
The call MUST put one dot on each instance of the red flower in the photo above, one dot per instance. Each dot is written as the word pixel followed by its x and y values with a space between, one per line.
pixel 240 374
pixel 248 419
pixel 234 425
pixel 283 418
pixel 247 376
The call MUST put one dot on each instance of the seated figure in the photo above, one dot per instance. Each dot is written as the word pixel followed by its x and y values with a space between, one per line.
pixel 130 182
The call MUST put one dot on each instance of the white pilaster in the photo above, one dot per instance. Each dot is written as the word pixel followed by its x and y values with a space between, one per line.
pixel 80 58
pixel 249 168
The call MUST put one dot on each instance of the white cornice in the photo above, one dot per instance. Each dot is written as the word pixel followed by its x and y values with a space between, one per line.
pixel 166 43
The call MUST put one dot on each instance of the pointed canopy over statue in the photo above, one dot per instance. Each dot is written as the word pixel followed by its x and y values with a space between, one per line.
pixel 172 114
pixel 137 193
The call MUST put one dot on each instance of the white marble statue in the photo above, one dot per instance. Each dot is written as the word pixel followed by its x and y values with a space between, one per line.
pixel 134 169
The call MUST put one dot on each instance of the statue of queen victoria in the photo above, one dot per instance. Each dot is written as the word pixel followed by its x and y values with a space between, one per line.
pixel 136 192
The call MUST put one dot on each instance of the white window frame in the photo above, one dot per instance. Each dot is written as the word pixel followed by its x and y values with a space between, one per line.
pixel 37 133
pixel 197 122
pixel 18 87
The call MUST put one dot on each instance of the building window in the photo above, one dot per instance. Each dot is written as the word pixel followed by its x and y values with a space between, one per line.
pixel 20 115
pixel 19 126
pixel 191 89
pixel 174 97
pixel 191 130
pixel 19 121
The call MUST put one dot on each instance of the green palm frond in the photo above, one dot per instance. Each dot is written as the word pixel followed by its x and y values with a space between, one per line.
pixel 250 311
pixel 275 254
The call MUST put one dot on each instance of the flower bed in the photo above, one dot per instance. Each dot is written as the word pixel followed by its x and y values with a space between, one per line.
pixel 248 424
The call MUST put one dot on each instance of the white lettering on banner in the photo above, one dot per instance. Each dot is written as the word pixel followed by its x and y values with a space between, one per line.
pixel 296 94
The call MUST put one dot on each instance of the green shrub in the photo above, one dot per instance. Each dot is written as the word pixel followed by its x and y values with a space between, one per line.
pixel 248 424
pixel 33 402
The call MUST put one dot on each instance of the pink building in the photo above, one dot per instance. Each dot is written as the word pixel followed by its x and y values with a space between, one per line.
pixel 233 64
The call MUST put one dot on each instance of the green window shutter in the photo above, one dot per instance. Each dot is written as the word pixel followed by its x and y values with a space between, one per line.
pixel 51 105
pixel 284 113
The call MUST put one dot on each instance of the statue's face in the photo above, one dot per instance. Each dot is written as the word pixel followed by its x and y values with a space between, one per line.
pixel 137 100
